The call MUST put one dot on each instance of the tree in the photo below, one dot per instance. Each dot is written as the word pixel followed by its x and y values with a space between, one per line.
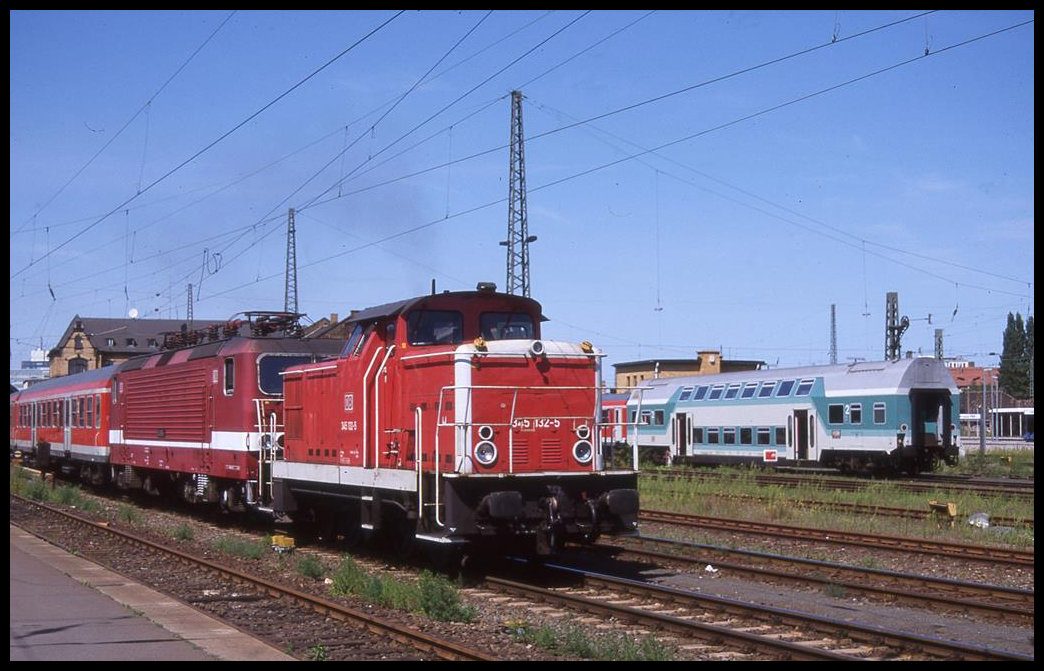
pixel 1016 367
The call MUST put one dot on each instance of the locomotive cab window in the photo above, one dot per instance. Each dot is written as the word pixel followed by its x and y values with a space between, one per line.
pixel 351 348
pixel 506 326
pixel 269 367
pixel 434 327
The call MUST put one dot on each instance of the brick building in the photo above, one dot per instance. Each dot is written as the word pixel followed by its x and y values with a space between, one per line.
pixel 94 342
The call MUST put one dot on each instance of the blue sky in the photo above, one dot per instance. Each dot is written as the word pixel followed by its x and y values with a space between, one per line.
pixel 696 180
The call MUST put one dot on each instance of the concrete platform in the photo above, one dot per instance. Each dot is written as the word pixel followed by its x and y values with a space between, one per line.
pixel 64 607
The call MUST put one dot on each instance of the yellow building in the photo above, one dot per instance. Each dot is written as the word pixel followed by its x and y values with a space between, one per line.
pixel 707 362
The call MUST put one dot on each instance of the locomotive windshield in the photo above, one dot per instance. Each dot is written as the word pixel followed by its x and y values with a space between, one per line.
pixel 506 326
pixel 434 327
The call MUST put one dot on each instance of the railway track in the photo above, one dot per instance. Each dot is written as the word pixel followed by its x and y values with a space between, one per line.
pixel 941 595
pixel 717 628
pixel 874 510
pixel 307 624
pixel 1016 489
pixel 963 551
pixel 700 646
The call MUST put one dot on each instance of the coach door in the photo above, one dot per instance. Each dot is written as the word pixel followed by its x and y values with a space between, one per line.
pixel 800 434
pixel 681 434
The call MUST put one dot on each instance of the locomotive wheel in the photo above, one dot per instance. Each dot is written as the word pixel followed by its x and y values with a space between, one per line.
pixel 350 526
pixel 401 534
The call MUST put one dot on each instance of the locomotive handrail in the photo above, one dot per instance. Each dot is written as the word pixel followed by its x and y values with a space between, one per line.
pixel 365 414
pixel 377 409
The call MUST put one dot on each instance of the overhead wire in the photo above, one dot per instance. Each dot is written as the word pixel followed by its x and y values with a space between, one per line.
pixel 222 137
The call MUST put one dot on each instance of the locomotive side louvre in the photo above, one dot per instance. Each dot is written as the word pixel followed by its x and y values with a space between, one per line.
pixel 899 415
pixel 448 419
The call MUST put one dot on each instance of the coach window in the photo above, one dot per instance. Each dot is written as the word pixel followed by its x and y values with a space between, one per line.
pixel 746 435
pixel 716 390
pixel 728 436
pixel 658 418
pixel 836 413
pixel 686 394
pixel 781 435
pixel 230 376
pixel 732 392
pixel 764 435
pixel 712 436
pixel 749 389
pixel 879 413
pixel 784 388
pixel 804 388
pixel 767 389
pixel 855 413
pixel 646 417
pixel 697 434
pixel 89 423
pixel 74 412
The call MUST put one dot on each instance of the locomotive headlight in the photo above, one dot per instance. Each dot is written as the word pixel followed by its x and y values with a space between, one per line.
pixel 583 432
pixel 537 348
pixel 582 451
pixel 485 432
pixel 486 453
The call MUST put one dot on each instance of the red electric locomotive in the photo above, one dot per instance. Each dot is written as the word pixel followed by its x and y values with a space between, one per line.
pixel 201 422
pixel 448 420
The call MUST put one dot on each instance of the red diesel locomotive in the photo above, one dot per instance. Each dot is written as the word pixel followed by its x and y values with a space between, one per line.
pixel 448 420
pixel 444 420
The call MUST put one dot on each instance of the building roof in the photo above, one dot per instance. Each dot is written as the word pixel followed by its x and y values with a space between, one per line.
pixel 128 336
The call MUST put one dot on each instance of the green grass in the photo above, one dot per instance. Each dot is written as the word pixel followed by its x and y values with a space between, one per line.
pixel 735 493
pixel 576 641
pixel 432 594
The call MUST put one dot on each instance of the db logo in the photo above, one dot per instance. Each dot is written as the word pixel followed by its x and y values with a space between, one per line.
pixel 770 455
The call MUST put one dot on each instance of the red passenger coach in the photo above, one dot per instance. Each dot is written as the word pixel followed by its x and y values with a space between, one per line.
pixel 201 421
pixel 447 419
pixel 64 420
